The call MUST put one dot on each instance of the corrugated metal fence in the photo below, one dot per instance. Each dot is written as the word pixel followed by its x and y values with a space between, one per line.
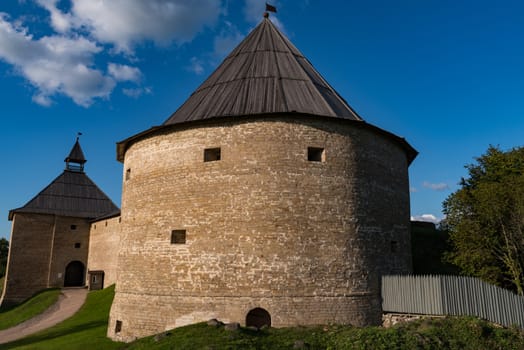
pixel 451 295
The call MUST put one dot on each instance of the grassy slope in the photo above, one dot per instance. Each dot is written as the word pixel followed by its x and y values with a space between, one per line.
pixel 449 334
pixel 30 308
pixel 87 330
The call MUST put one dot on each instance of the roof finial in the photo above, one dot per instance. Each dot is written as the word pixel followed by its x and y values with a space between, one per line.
pixel 269 8
pixel 78 134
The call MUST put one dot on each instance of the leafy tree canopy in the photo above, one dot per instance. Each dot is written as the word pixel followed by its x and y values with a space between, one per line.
pixel 485 218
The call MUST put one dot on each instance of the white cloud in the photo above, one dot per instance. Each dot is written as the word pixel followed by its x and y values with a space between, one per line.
pixel 413 189
pixel 126 23
pixel 196 66
pixel 62 63
pixel 61 22
pixel 427 218
pixel 42 100
pixel 441 186
pixel 137 92
pixel 122 72
pixel 54 64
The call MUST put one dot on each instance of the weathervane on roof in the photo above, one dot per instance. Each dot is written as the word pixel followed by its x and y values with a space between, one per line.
pixel 269 8
pixel 78 134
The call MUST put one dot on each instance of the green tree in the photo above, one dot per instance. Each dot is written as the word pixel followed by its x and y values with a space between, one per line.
pixel 485 218
pixel 4 251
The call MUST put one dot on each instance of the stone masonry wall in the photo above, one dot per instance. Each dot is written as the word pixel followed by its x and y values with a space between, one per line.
pixel 265 227
pixel 41 246
pixel 71 244
pixel 104 243
pixel 29 256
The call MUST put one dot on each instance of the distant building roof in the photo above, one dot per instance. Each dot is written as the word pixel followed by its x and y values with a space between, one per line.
pixel 72 193
pixel 264 74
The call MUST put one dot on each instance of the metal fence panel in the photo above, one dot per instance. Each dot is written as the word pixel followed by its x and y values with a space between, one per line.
pixel 451 295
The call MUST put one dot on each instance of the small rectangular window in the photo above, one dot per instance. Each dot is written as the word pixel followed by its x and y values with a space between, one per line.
pixel 73 227
pixel 394 246
pixel 118 326
pixel 211 154
pixel 178 237
pixel 315 154
pixel 77 245
pixel 128 174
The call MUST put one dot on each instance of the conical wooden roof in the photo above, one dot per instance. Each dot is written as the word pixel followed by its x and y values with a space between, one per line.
pixel 264 74
pixel 72 193
pixel 76 155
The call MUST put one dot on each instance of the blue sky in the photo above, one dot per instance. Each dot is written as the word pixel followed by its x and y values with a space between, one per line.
pixel 446 75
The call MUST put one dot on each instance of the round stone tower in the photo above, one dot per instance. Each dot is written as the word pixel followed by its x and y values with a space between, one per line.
pixel 264 200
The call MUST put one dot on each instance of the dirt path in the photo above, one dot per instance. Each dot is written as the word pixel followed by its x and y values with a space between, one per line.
pixel 69 302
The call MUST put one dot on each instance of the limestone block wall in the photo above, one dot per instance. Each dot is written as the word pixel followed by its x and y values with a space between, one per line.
pixel 104 243
pixel 29 257
pixel 71 243
pixel 41 247
pixel 264 226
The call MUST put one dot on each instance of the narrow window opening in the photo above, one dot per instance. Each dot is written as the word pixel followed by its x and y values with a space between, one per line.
pixel 106 223
pixel 394 246
pixel 118 326
pixel 77 245
pixel 119 220
pixel 315 154
pixel 128 174
pixel 211 154
pixel 178 237
pixel 73 227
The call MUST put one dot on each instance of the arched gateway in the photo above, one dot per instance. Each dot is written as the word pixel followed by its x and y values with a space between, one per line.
pixel 258 318
pixel 74 274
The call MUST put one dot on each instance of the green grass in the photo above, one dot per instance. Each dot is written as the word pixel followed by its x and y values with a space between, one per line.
pixel 87 330
pixel 28 309
pixel 440 334
pixel 202 336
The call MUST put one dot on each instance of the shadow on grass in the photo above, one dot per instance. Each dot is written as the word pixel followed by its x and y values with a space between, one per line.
pixel 252 332
pixel 53 334
pixel 7 307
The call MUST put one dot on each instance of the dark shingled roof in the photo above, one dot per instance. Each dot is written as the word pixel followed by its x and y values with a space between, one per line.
pixel 72 193
pixel 76 155
pixel 264 74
